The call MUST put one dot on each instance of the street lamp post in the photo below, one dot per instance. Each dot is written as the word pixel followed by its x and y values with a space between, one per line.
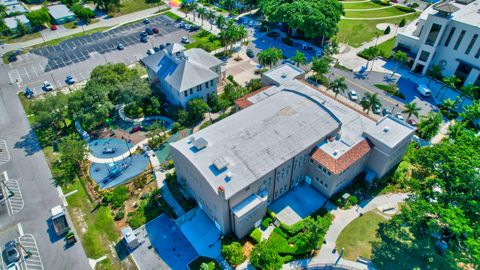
pixel 394 107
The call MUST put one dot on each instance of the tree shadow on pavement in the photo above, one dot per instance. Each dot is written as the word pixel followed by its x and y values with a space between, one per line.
pixel 29 143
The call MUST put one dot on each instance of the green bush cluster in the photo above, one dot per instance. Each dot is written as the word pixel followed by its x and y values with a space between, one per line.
pixel 405 9
pixel 233 253
pixel 266 222
pixel 117 197
pixel 382 2
pixel 256 235
pixel 147 106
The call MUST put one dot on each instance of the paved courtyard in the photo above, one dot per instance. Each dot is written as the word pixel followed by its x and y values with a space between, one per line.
pixel 168 241
pixel 201 232
pixel 297 204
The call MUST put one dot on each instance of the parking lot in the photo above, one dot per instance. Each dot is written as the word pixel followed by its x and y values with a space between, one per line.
pixel 78 56
pixel 4 155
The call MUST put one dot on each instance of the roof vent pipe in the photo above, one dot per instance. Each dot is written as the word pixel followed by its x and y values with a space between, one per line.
pixel 386 129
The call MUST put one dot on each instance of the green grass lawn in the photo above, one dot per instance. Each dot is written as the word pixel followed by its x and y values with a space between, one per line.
pixel 362 5
pixel 205 40
pixel 23 38
pixel 94 225
pixel 357 32
pixel 357 237
pixel 129 6
pixel 386 12
pixel 386 47
pixel 173 15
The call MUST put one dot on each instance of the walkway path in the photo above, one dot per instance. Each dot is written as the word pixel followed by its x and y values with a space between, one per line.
pixel 341 220
pixel 376 18
pixel 95 159
pixel 367 9
pixel 135 16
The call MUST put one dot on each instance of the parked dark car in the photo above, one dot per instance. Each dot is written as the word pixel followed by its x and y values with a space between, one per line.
pixel 120 47
pixel 143 33
pixel 156 49
pixel 11 251
pixel 168 44
pixel 386 111
pixel 149 31
pixel 144 39
pixel 146 21
pixel 250 53
pixel 162 46
pixel 155 30
pixel 28 93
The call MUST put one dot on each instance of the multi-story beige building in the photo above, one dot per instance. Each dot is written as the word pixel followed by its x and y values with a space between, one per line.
pixel 286 134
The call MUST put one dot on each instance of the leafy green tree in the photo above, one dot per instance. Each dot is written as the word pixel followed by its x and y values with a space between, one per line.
pixel 411 108
pixel 220 22
pixel 370 101
pixel 185 7
pixel 309 18
pixel 72 152
pixel 21 28
pixel 39 17
pixel 156 134
pixel 269 56
pixel 52 112
pixel 196 108
pixel 233 253
pixel 438 226
pixel 451 82
pixel 265 256
pixel 429 126
pixel 471 112
pixel 299 58
pixel 3 11
pixel 320 65
pixel 470 90
pixel 83 13
pixel 402 23
pixel 387 30
pixel 338 86
pixel 400 58
pixel 108 5
pixel 201 12
pixel 119 196
pixel 371 53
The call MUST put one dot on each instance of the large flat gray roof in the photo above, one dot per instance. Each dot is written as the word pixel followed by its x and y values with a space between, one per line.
pixel 259 138
pixel 282 122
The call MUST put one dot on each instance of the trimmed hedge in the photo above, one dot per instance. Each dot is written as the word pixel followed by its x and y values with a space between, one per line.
pixel 256 235
pixel 405 9
pixel 382 2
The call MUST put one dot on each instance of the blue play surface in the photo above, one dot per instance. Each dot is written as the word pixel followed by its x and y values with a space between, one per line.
pixel 98 145
pixel 163 153
pixel 170 243
pixel 123 170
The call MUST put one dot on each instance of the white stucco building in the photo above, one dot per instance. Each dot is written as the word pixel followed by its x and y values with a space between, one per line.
pixel 287 133
pixel 446 34
pixel 182 75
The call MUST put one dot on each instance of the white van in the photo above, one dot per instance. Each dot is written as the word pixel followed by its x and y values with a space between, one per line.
pixel 423 89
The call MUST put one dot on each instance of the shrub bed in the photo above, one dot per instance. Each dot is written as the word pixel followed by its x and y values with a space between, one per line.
pixel 266 222
pixel 256 235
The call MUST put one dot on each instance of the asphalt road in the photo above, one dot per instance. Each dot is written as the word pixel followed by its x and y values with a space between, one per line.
pixel 31 180
pixel 79 56
pixel 26 215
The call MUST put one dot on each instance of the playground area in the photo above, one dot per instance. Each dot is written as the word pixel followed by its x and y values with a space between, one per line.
pixel 108 175
pixel 109 147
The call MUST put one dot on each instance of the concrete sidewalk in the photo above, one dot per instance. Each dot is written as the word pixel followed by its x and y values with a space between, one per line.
pixel 342 219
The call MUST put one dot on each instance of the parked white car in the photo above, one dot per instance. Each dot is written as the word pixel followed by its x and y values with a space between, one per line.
pixel 353 95
pixel 423 89
pixel 47 86
pixel 185 40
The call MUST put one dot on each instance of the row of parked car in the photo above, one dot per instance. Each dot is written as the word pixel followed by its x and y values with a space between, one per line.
pixel 188 26
pixel 377 109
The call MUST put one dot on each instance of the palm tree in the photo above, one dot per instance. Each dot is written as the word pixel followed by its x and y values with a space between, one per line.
pixel 241 32
pixel 210 16
pixel 370 101
pixel 299 58
pixel 269 56
pixel 220 21
pixel 193 9
pixel 371 54
pixel 201 12
pixel 411 108
pixel 185 7
pixel 451 82
pixel 337 86
pixel 401 58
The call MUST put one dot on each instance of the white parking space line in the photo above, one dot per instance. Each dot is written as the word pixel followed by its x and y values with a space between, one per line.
pixel 26 73
pixel 34 260
pixel 34 70
pixel 34 90
pixel 14 76
pixel 15 202
pixel 4 154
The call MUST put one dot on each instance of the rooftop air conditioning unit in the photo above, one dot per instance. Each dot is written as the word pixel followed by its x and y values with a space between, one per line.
pixel 386 129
